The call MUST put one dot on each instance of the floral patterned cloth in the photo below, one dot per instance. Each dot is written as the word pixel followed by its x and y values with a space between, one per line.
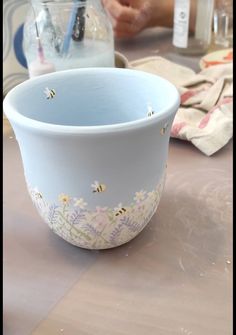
pixel 205 116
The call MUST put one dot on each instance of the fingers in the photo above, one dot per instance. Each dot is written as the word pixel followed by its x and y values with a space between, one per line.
pixel 123 27
pixel 126 21
pixel 125 2
pixel 120 12
pixel 123 34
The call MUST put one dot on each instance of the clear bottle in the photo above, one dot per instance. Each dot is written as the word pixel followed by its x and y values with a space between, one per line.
pixel 61 35
pixel 223 24
pixel 193 26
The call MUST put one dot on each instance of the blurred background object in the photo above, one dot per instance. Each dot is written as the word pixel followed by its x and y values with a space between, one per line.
pixel 34 32
pixel 14 62
pixel 66 34
pixel 192 26
pixel 223 23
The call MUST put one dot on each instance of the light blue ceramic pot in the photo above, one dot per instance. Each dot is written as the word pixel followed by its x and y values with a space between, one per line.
pixel 94 145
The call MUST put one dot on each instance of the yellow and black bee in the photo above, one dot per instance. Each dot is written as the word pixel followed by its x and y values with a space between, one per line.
pixel 120 211
pixel 150 111
pixel 164 129
pixel 50 93
pixel 98 187
pixel 38 195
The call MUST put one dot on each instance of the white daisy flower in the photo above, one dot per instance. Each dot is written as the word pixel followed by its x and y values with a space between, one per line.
pixel 80 203
pixel 64 199
pixel 139 196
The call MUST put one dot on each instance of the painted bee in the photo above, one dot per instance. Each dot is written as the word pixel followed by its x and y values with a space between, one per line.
pixel 150 111
pixel 50 94
pixel 97 187
pixel 120 211
pixel 164 128
pixel 38 195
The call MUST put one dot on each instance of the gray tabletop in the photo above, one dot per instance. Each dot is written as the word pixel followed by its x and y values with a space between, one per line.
pixel 174 278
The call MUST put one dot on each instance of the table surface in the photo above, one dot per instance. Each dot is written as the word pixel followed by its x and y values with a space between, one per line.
pixel 174 278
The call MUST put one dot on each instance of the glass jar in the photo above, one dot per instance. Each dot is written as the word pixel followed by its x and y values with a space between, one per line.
pixel 193 26
pixel 61 35
pixel 223 23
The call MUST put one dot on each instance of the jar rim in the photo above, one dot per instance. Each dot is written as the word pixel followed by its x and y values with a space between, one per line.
pixel 62 2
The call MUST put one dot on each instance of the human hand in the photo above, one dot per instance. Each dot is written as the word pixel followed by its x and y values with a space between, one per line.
pixel 128 17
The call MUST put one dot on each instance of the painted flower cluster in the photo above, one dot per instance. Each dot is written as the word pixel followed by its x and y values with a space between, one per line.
pixel 102 227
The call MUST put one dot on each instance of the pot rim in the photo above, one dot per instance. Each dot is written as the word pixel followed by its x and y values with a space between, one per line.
pixel 17 118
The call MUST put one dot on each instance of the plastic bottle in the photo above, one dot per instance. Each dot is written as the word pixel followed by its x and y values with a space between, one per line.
pixel 193 26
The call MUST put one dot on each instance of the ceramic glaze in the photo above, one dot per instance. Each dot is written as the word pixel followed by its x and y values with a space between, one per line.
pixel 94 145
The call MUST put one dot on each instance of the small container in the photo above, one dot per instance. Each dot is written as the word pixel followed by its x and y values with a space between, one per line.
pixel 223 23
pixel 61 35
pixel 192 26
